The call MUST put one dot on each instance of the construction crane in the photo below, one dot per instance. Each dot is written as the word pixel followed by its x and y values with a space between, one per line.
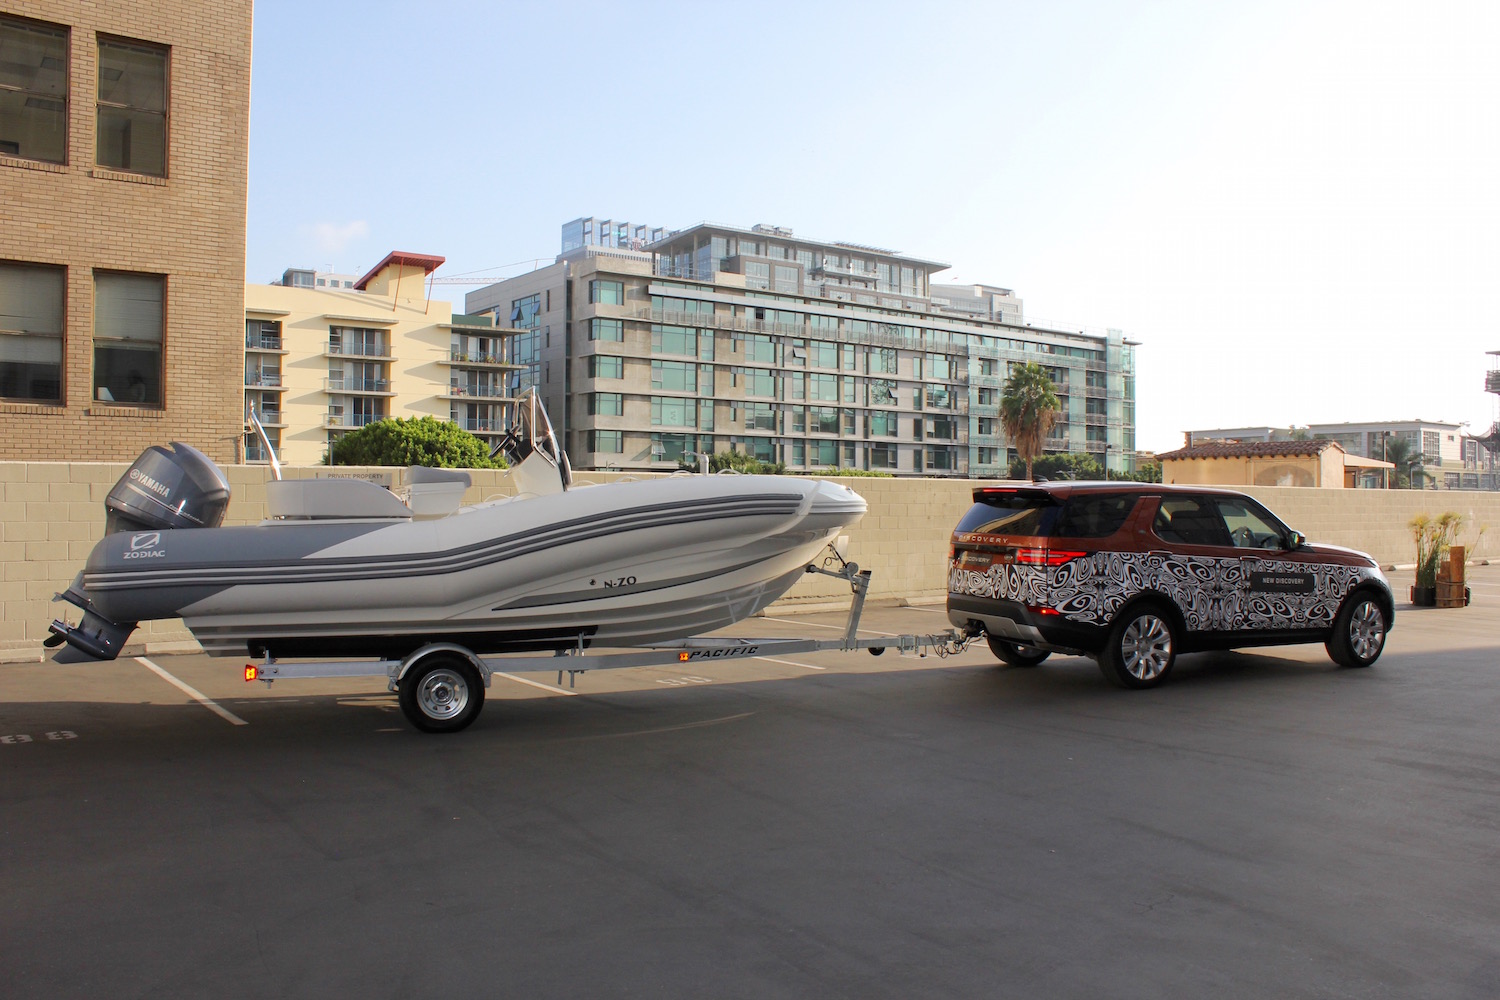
pixel 489 275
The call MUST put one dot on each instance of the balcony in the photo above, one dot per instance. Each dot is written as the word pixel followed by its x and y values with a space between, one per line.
pixel 268 417
pixel 483 360
pixel 264 343
pixel 457 391
pixel 371 386
pixel 338 349
pixel 482 425
pixel 263 380
pixel 341 421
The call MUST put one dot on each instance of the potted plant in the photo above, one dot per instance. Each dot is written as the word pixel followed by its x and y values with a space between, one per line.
pixel 1433 536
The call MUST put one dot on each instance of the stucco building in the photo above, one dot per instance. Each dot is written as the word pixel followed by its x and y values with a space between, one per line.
pixel 320 363
pixel 123 152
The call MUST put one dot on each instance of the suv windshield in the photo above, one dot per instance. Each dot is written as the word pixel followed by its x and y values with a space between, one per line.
pixel 1041 516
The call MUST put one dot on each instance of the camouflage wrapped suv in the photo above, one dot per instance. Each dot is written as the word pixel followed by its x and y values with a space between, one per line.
pixel 1135 573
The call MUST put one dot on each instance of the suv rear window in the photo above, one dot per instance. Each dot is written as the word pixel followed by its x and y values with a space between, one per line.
pixel 1040 516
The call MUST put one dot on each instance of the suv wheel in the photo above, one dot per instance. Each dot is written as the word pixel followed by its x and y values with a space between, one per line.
pixel 1015 654
pixel 1141 648
pixel 1358 632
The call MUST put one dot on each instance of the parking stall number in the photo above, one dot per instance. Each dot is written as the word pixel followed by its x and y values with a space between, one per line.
pixel 16 739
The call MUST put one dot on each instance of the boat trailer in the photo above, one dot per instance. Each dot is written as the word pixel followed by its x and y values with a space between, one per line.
pixel 441 686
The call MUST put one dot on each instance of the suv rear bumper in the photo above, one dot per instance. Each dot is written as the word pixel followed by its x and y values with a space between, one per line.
pixel 1014 621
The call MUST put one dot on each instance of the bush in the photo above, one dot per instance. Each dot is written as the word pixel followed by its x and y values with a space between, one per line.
pixel 428 441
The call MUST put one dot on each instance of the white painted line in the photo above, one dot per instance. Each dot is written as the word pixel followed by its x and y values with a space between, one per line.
pixel 544 687
pixel 790 663
pixel 193 693
pixel 669 729
pixel 836 628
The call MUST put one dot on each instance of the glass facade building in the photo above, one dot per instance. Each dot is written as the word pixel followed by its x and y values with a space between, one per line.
pixel 813 354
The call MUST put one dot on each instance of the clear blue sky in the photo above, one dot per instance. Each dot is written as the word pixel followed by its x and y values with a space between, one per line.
pixel 1292 205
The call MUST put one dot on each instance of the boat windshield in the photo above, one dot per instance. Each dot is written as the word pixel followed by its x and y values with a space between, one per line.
pixel 531 437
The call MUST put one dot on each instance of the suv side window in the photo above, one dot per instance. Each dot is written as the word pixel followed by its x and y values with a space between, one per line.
pixel 1093 516
pixel 1189 521
pixel 1248 525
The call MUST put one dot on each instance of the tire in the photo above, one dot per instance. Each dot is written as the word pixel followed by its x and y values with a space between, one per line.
pixel 1015 654
pixel 1359 631
pixel 1141 648
pixel 442 693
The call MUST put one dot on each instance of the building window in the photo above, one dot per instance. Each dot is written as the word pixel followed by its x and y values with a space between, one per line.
pixel 673 339
pixel 525 313
pixel 133 107
pixel 609 293
pixel 674 376
pixel 611 442
pixel 129 311
pixel 31 328
pixel 606 366
pixel 606 404
pixel 606 329
pixel 33 90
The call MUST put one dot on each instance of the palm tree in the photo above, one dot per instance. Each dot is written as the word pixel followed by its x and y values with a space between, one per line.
pixel 1027 408
pixel 1397 451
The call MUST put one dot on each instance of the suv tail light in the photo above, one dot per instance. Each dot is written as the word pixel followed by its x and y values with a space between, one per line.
pixel 1047 557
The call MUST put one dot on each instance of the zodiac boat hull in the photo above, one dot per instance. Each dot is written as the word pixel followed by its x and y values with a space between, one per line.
pixel 629 563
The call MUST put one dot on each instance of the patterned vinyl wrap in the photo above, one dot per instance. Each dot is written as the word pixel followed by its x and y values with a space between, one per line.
pixel 1212 594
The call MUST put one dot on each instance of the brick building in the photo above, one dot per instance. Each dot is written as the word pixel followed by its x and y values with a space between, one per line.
pixel 123 161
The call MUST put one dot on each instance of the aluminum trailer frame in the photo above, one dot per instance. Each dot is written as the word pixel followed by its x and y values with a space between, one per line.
pixel 441 686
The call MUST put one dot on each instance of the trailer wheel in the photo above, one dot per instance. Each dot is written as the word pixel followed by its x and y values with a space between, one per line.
pixel 441 693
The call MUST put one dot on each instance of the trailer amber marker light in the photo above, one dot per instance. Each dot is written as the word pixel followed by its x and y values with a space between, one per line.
pixel 683 657
pixel 251 672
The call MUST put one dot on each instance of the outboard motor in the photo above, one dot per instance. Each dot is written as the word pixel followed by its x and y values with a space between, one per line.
pixel 177 488
pixel 165 488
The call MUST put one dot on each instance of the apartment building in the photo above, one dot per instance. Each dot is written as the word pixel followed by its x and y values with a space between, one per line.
pixel 812 353
pixel 123 153
pixel 319 363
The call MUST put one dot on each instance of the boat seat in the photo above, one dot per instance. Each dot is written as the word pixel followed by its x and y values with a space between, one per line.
pixel 315 499
pixel 435 492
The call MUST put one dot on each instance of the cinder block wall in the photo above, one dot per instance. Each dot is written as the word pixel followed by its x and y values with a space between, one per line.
pixel 52 513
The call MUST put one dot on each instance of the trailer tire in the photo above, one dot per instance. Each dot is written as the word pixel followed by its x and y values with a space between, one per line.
pixel 441 693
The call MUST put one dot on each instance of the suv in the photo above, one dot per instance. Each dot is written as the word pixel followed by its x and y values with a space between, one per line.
pixel 1134 573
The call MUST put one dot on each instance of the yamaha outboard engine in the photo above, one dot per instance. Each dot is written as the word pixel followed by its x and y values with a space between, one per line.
pixel 165 488
pixel 177 488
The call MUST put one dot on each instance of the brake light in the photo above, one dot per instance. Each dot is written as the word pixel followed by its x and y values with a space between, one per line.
pixel 1047 557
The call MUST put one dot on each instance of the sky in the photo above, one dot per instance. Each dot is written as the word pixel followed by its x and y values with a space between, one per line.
pixel 1293 207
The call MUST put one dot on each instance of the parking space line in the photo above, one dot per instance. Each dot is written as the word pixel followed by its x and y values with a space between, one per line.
pixel 193 693
pixel 790 663
pixel 535 684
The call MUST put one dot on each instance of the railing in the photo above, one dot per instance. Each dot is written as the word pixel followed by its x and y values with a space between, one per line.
pixel 357 385
pixel 272 379
pixel 263 343
pixel 360 350
pixel 352 420
pixel 267 417
pixel 481 425
pixel 478 391
pixel 460 358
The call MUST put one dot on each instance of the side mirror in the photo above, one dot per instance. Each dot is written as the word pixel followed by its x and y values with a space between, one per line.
pixel 1295 540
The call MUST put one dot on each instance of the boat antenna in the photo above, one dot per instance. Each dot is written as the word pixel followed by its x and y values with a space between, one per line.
pixel 266 442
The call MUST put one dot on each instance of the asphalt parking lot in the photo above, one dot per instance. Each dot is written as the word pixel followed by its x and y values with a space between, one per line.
pixel 828 825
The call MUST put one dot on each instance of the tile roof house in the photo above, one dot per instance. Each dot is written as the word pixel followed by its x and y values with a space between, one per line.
pixel 1314 463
